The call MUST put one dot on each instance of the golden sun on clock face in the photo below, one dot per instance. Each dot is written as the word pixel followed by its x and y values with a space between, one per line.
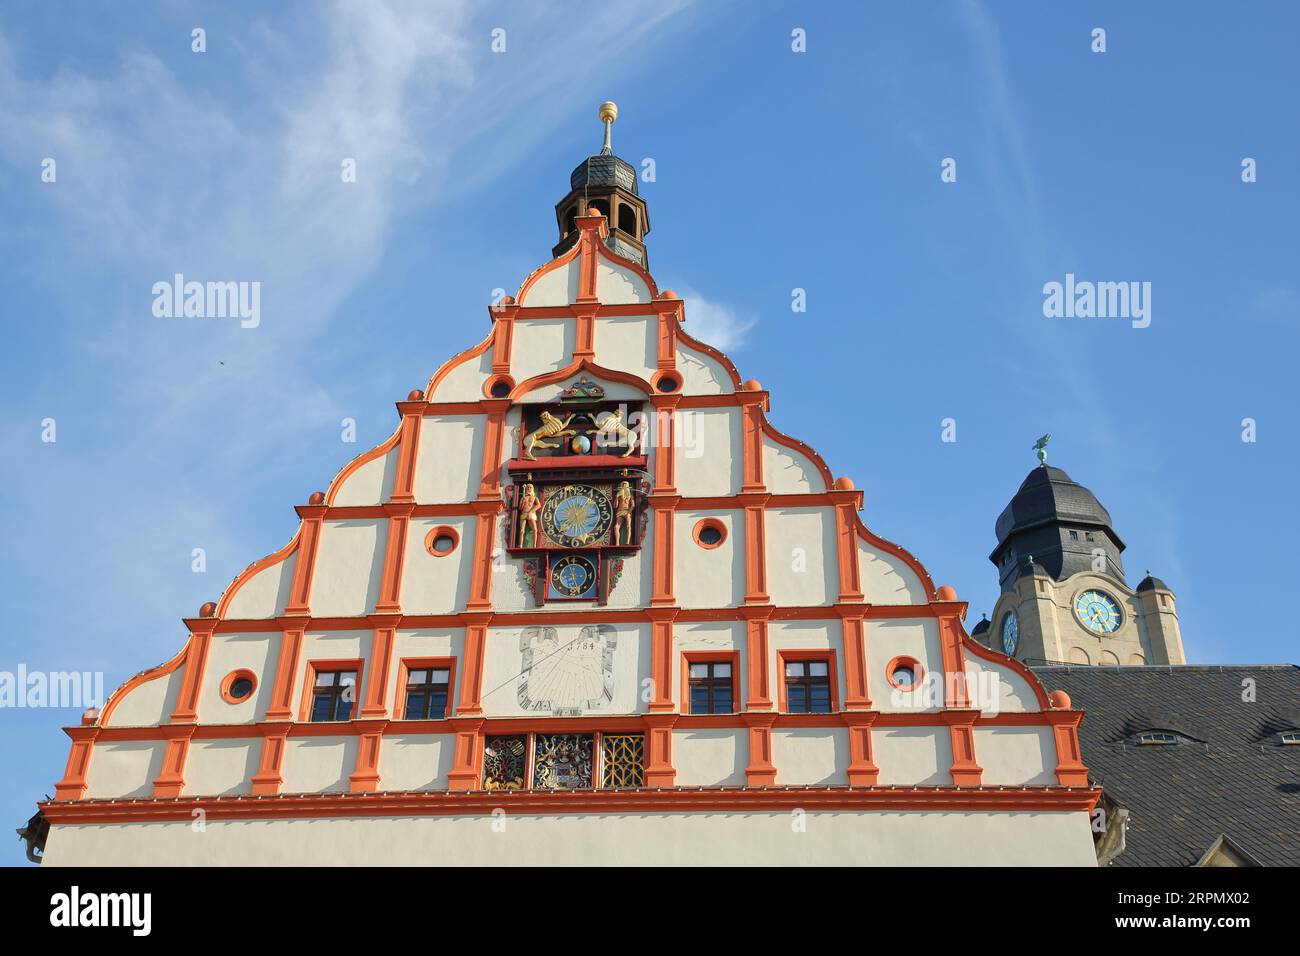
pixel 577 515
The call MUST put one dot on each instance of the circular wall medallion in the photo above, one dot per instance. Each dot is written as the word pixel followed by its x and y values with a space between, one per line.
pixel 1097 611
pixel 441 541
pixel 576 515
pixel 709 533
pixel 238 686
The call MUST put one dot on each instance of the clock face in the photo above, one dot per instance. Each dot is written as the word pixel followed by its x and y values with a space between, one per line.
pixel 576 515
pixel 1010 634
pixel 573 576
pixel 1097 611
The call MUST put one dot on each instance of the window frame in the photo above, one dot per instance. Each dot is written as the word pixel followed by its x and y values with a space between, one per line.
pixel 918 673
pixel 731 657
pixel 404 667
pixel 792 656
pixel 317 667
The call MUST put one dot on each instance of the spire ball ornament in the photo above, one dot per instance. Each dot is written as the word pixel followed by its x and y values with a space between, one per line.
pixel 608 113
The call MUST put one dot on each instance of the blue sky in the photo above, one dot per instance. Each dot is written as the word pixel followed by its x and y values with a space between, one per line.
pixel 774 170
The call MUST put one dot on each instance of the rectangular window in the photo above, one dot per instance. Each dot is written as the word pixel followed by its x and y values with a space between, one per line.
pixel 710 687
pixel 808 687
pixel 427 690
pixel 624 759
pixel 333 695
pixel 1074 536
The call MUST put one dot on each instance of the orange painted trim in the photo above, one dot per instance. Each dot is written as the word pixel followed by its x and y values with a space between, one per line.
pixel 315 667
pixel 781 438
pixel 965 770
pixel 669 312
pixel 665 450
pixel 494 438
pixel 503 340
pixel 846 550
pixel 710 657
pixel 170 782
pixel 376 689
pixel 664 511
pixel 558 262
pixel 471 690
pixel 404 668
pixel 954 663
pixel 408 450
pixel 237 674
pixel 607 253
pixel 268 779
pixel 467 768
pixel 696 345
pixel 760 771
pixel 862 770
pixel 390 586
pixel 902 661
pixel 793 654
pixel 756 554
pixel 661 650
pixel 853 640
pixel 305 567
pixel 666 381
pixel 336 483
pixel 365 775
pixel 480 583
pixel 192 673
pixel 1070 769
pixel 969 644
pixel 677 800
pixel 758 661
pixel 72 786
pixel 577 367
pixel 659 769
pixel 752 448
pixel 286 672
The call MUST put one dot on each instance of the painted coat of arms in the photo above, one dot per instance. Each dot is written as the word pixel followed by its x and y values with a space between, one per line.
pixel 567 677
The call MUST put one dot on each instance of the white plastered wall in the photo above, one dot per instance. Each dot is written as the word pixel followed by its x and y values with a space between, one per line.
pixel 124 768
pixel 420 643
pixel 629 343
pixel 913 756
pixel 618 285
pixel 801 561
pixel 449 460
pixel 416 761
pixel 709 577
pixel 702 374
pixel 433 584
pixel 349 566
pixel 880 838
pixel 886 578
pixel 265 594
pixel 557 287
pixel 787 472
pixel 221 767
pixel 1010 693
pixel 318 764
pixel 710 756
pixel 811 756
pixel 372 483
pixel 709 456
pixel 465 382
pixel 917 638
pixel 148 704
pixel 1016 756
pixel 257 652
pixel 710 636
pixel 541 345
pixel 330 646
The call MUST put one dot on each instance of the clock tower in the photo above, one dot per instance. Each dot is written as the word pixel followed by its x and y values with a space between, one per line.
pixel 1064 594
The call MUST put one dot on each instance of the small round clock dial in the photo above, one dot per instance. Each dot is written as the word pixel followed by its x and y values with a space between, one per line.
pixel 1010 634
pixel 576 515
pixel 573 576
pixel 1098 611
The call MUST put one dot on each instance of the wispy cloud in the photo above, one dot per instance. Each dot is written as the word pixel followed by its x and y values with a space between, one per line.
pixel 714 323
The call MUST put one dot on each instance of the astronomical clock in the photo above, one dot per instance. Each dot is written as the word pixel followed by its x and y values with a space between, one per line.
pixel 576 493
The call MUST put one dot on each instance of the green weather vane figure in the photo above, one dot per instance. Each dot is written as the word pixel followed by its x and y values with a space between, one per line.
pixel 1040 446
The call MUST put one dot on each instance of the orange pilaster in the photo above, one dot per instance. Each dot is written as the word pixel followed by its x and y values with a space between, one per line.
pixel 480 585
pixel 365 778
pixel 381 656
pixel 661 658
pixel 471 684
pixel 407 449
pixel 659 769
pixel 286 671
pixel 757 665
pixel 855 656
pixel 493 448
pixel 966 771
pixel 186 710
pixel 756 551
pixel 846 541
pixel 308 544
pixel 390 587
pixel 275 740
pixel 465 771
pixel 954 659
pixel 171 781
pixel 1070 770
pixel 73 784
pixel 862 771
pixel 760 772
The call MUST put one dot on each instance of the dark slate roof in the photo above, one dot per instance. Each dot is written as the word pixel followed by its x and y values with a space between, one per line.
pixel 1149 583
pixel 604 170
pixel 1049 496
pixel 1227 775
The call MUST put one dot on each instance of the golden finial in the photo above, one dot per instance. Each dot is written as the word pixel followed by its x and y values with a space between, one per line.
pixel 608 113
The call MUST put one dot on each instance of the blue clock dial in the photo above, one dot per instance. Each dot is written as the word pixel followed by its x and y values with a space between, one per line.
pixel 1098 611
pixel 576 515
pixel 1010 634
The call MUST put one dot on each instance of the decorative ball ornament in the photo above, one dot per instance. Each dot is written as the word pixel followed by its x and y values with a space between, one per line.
pixel 946 593
pixel 1060 700
pixel 581 444
pixel 608 111
pixel 843 484
pixel 414 395
pixel 208 610
pixel 317 498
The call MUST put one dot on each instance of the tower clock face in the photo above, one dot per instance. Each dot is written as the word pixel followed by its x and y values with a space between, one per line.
pixel 576 515
pixel 1098 611
pixel 573 576
pixel 1010 634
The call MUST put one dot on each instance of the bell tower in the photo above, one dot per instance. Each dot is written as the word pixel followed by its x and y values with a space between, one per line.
pixel 608 184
